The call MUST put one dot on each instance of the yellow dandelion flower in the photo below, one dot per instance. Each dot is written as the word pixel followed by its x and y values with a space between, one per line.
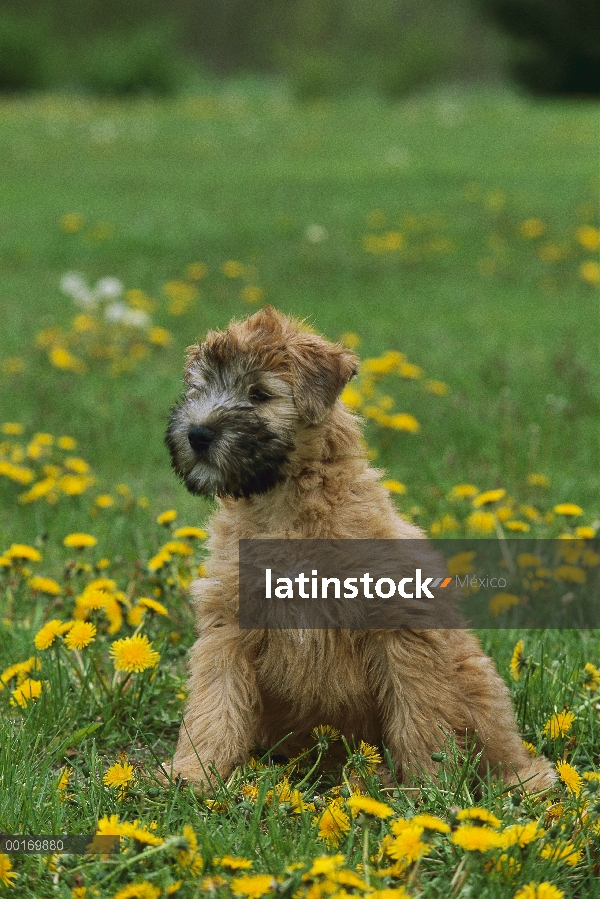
pixel 253 885
pixel 350 339
pixel 20 670
pixel 431 822
pixel 481 815
pixel 489 496
pixel 167 517
pixel 134 654
pixel 528 560
pixel 234 864
pixel 66 443
pixel 463 491
pixel 119 776
pixel 22 552
pixel 588 237
pixel 251 293
pixel 568 509
pixel 153 604
pixel 530 748
pixel 402 421
pixel 63 781
pixel 143 889
pixel 481 522
pixel 544 890
pixel 7 875
pixel 325 864
pixel 188 533
pixel 591 677
pixel 532 228
pixel 394 486
pixel 80 635
pixel 438 388
pixel 46 636
pixel 45 585
pixel 501 602
pixel 178 547
pixel 333 824
pixel 232 269
pixel 571 573
pixel 534 479
pixel 12 429
pixel 196 271
pixel 569 777
pixel 475 838
pixel 559 724
pixel 27 692
pixel 389 893
pixel 105 501
pixel 517 662
pixel 562 852
pixel 521 834
pixel 590 271
pixel 407 846
pixel 79 540
pixel 514 524
pixel 369 806
pixel 585 532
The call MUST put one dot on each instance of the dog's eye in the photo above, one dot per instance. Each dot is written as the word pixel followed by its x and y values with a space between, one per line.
pixel 259 396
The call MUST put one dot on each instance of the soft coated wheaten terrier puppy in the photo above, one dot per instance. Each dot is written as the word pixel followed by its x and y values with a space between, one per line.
pixel 260 426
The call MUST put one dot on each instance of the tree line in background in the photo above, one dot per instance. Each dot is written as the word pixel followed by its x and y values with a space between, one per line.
pixel 320 47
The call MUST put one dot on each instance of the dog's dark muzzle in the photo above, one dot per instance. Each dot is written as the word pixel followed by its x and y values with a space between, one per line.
pixel 200 438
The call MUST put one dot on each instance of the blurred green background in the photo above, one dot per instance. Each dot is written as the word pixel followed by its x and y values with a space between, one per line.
pixel 388 170
pixel 320 47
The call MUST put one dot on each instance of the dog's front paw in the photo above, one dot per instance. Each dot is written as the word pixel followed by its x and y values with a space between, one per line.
pixel 169 773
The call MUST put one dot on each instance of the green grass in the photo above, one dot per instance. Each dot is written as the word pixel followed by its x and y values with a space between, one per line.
pixel 243 175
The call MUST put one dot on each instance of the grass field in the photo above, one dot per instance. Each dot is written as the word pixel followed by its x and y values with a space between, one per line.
pixel 452 239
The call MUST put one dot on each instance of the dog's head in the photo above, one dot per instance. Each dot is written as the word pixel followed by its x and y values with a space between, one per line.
pixel 248 391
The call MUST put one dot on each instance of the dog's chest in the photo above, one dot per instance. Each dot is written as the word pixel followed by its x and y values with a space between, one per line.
pixel 313 667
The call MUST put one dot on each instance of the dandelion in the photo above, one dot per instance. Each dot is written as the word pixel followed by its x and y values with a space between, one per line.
pixel 481 522
pixel 559 724
pixel 518 662
pixel 515 525
pixel 438 388
pixel 12 428
pixel 326 864
pixel 544 890
pixel 153 604
pixel 588 237
pixel 27 692
pixel 79 540
pixel 119 776
pixel 80 635
pixel 530 748
pixel 234 864
pixel 22 552
pixel 481 815
pixel 105 501
pixel 188 533
pixel 63 781
pixel 141 890
pixel 407 846
pixel 585 532
pixel 252 886
pixel 48 634
pixel 165 518
pixel 45 585
pixel 196 271
pixel 531 228
pixel 432 823
pixel 7 875
pixel 590 272
pixel 394 486
pixel 476 839
pixel 501 602
pixel 568 509
pixel 521 834
pixel 251 293
pixel 365 759
pixel 369 806
pixel 404 422
pixel 333 824
pixel 489 496
pixel 325 733
pixel 591 677
pixel 569 777
pixel 66 443
pixel 134 654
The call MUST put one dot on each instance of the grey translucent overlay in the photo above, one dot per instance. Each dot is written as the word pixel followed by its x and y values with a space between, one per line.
pixel 419 584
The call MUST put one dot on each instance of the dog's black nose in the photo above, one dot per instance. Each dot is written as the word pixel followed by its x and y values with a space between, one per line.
pixel 200 438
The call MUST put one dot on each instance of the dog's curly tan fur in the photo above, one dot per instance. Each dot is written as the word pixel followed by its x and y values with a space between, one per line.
pixel 286 459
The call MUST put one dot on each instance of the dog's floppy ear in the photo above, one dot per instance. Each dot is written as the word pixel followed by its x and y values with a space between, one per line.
pixel 320 370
